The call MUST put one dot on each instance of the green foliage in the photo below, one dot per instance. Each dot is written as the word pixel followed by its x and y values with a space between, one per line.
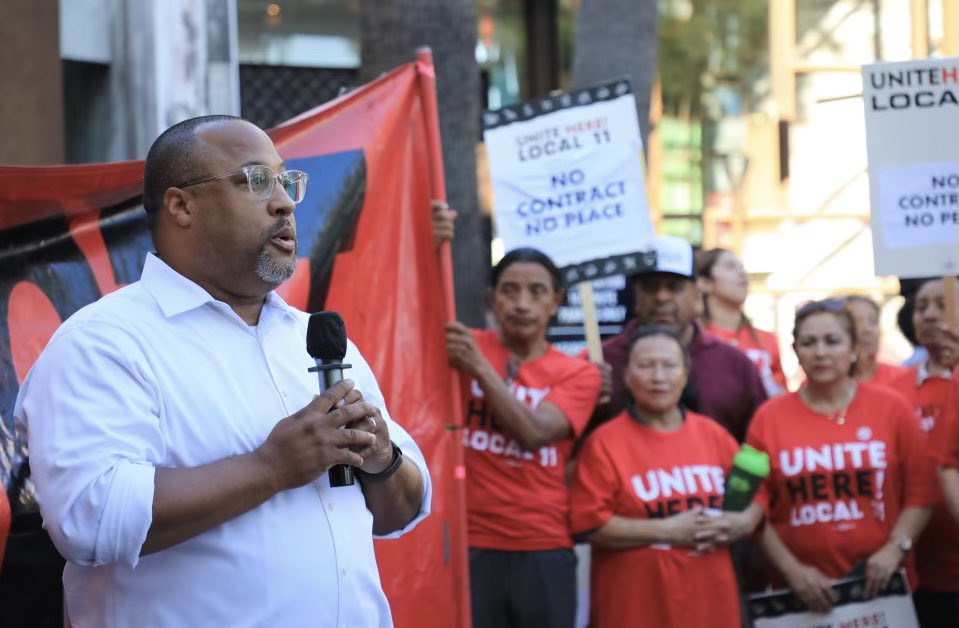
pixel 704 42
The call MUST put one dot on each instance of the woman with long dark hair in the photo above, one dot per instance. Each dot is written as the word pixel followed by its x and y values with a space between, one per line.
pixel 724 284
pixel 865 313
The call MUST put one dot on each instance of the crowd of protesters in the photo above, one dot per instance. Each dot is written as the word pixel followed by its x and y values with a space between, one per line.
pixel 858 452
pixel 631 455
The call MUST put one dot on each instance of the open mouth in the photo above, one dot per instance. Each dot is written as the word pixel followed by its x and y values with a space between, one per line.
pixel 285 239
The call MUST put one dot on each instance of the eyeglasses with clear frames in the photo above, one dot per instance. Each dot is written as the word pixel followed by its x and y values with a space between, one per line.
pixel 262 181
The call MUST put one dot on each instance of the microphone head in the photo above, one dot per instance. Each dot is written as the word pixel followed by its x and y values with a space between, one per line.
pixel 326 336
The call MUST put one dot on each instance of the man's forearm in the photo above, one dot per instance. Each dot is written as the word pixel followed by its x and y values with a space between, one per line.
pixel 396 501
pixel 949 480
pixel 189 501
pixel 530 429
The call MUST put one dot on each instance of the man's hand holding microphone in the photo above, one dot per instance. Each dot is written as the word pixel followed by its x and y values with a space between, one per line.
pixel 336 427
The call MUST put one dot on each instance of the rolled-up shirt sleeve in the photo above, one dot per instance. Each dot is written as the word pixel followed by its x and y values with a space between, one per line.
pixel 90 412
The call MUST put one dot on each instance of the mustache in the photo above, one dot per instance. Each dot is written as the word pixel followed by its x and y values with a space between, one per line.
pixel 279 226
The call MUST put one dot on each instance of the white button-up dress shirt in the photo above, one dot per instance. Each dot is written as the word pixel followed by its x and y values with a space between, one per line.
pixel 159 374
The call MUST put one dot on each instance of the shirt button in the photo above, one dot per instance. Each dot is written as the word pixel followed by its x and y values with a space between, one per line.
pixel 344 571
pixel 329 506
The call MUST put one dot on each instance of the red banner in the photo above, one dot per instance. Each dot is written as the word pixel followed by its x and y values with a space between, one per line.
pixel 70 234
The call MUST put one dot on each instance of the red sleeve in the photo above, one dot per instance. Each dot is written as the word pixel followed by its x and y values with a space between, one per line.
pixel 944 438
pixel 920 486
pixel 595 489
pixel 576 394
pixel 756 438
pixel 772 346
pixel 757 395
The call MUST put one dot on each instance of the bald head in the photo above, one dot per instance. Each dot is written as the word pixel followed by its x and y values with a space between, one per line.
pixel 173 160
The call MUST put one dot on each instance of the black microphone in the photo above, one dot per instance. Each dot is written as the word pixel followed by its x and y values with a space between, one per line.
pixel 326 343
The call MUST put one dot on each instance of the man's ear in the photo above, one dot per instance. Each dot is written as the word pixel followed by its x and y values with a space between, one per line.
pixel 558 297
pixel 178 205
pixel 491 296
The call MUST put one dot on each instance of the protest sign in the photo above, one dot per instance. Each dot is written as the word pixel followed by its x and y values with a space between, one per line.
pixel 912 121
pixel 567 179
pixel 891 609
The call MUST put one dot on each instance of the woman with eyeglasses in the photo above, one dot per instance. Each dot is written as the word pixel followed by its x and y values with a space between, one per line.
pixel 931 388
pixel 723 281
pixel 848 483
pixel 647 493
pixel 865 314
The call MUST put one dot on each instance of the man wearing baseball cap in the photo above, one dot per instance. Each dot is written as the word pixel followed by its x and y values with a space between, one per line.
pixel 723 384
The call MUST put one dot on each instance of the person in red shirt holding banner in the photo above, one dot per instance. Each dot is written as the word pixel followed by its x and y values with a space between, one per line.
pixel 724 283
pixel 848 481
pixel 647 495
pixel 865 313
pixel 930 389
pixel 525 403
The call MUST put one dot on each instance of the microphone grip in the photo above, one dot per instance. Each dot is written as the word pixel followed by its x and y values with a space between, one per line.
pixel 340 474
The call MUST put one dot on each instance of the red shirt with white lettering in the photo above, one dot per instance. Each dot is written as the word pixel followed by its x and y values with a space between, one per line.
pixel 835 491
pixel 628 469
pixel 937 549
pixel 762 349
pixel 516 499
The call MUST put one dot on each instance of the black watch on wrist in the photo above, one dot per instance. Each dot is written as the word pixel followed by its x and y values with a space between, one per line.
pixel 395 463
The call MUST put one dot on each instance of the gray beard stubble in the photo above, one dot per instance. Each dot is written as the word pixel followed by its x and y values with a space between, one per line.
pixel 271 271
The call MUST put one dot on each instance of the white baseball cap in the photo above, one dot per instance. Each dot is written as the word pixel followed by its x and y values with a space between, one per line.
pixel 672 255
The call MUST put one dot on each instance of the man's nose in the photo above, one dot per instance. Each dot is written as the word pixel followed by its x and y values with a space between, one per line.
pixel 280 203
pixel 524 300
pixel 932 313
pixel 663 293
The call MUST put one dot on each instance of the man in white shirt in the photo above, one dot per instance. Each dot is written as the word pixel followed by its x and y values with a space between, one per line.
pixel 179 451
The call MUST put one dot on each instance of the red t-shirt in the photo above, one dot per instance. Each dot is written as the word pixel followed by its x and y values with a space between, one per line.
pixel 937 549
pixel 764 354
pixel 945 434
pixel 631 470
pixel 516 499
pixel 836 491
pixel 885 374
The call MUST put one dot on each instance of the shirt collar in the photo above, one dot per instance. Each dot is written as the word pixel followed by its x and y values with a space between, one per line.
pixel 923 373
pixel 176 294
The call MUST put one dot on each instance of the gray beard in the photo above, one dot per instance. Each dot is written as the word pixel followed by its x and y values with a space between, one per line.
pixel 272 272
